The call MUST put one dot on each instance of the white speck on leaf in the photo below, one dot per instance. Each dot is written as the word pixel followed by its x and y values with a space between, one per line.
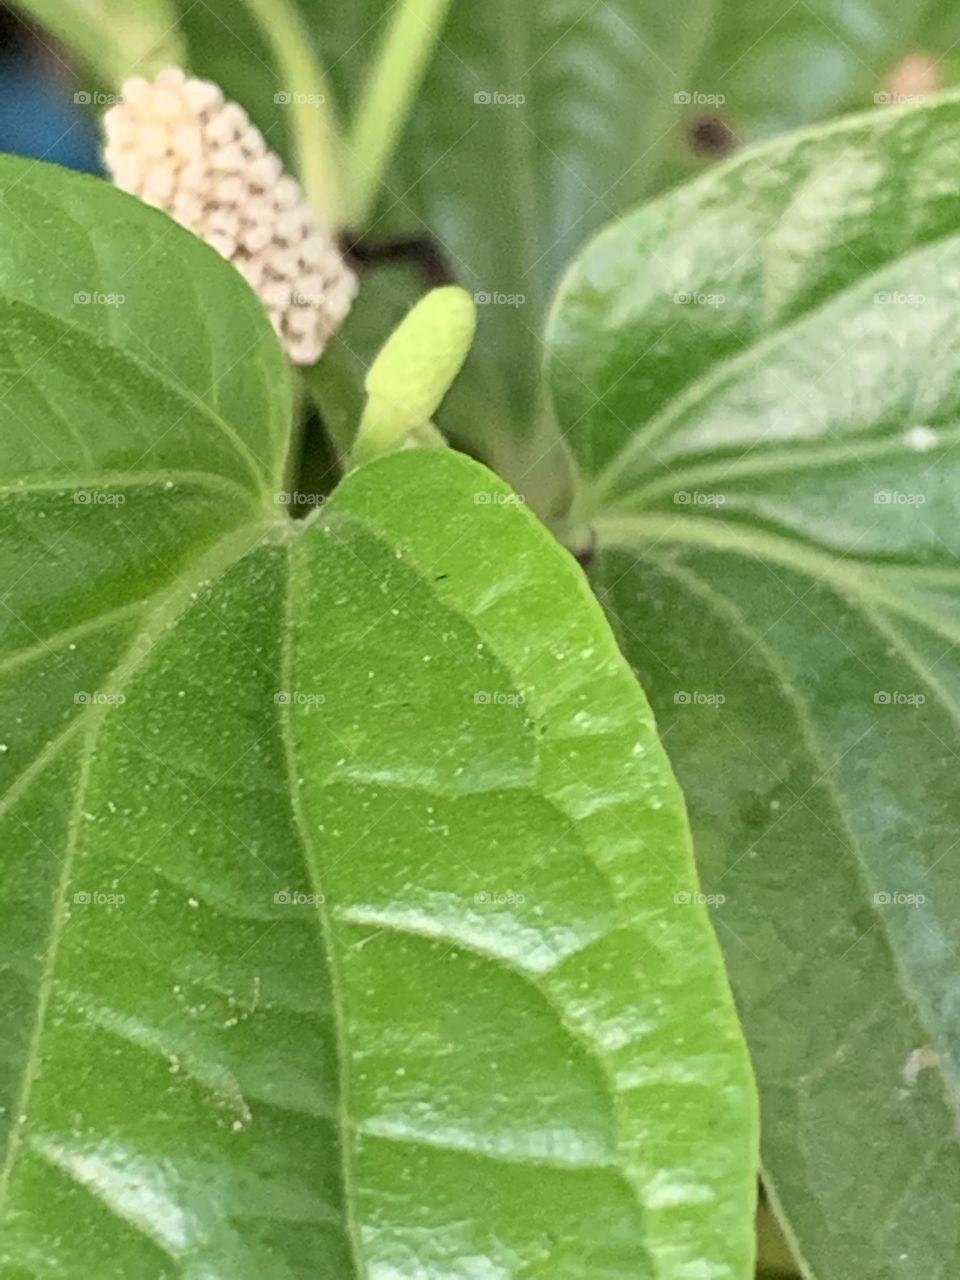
pixel 921 439
pixel 920 1060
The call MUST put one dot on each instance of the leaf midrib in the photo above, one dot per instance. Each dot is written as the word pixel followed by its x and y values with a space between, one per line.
pixel 644 532
pixel 322 916
pixel 774 457
pixel 156 479
pixel 699 390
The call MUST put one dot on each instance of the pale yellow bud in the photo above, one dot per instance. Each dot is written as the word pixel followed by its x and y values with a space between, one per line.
pixel 413 372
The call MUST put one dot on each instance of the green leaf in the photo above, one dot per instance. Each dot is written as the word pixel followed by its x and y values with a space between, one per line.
pixel 512 191
pixel 775 67
pixel 348 913
pixel 509 188
pixel 759 376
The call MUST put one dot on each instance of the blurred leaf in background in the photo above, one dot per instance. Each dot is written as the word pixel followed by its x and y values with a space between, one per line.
pixel 599 107
pixel 535 126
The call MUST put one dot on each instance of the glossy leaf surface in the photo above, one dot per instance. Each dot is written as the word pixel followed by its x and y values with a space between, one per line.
pixel 768 439
pixel 349 921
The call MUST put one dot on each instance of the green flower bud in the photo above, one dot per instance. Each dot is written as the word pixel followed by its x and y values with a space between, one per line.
pixel 414 370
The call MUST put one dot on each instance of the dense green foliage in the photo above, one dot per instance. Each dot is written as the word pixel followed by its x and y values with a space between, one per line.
pixel 349 913
pixel 410 975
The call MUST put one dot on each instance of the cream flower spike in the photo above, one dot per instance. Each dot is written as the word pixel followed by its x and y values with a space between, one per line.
pixel 178 145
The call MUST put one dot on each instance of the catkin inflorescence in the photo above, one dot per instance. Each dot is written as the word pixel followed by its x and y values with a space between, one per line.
pixel 178 145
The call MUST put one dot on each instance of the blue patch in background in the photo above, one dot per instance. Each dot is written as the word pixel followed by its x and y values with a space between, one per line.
pixel 39 118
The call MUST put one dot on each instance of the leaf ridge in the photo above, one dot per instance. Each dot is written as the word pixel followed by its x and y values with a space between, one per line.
pixel 158 479
pixel 322 916
pixel 626 531
pixel 786 461
pixel 695 392
pixel 48 644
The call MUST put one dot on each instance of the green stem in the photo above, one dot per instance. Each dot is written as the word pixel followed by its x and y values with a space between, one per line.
pixel 316 138
pixel 379 434
pixel 392 84
pixel 128 40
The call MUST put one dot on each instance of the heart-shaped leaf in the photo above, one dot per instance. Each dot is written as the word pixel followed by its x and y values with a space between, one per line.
pixel 349 922
pixel 759 376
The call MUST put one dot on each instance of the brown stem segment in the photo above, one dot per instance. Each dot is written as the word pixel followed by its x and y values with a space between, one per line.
pixel 422 252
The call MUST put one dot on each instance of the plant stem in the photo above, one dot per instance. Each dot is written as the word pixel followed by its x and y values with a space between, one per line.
pixel 136 39
pixel 393 81
pixel 316 138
